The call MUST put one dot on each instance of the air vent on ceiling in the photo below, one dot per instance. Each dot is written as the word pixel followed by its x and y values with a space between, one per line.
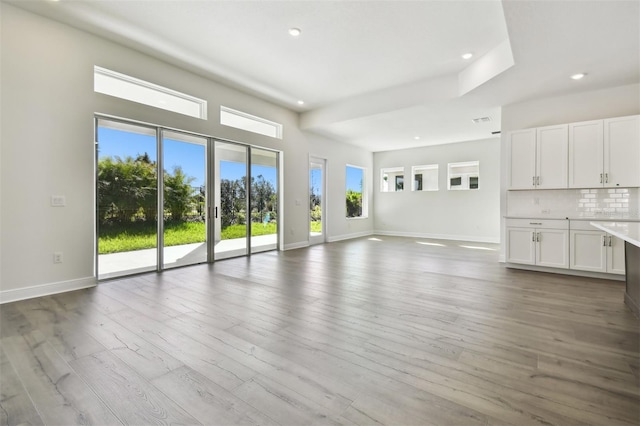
pixel 481 120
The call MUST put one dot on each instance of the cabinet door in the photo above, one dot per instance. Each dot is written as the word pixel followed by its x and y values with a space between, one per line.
pixel 522 159
pixel 615 255
pixel 521 245
pixel 622 151
pixel 552 153
pixel 552 248
pixel 586 147
pixel 588 250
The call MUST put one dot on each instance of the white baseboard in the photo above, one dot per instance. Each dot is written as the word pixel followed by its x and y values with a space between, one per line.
pixel 349 236
pixel 473 239
pixel 293 246
pixel 13 295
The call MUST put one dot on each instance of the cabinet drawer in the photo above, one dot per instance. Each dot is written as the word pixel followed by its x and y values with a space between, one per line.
pixel 539 223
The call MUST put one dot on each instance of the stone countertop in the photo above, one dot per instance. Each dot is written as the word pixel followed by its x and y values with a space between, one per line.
pixel 594 218
pixel 627 231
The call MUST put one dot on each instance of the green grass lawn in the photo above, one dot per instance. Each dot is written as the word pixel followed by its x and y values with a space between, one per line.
pixel 142 235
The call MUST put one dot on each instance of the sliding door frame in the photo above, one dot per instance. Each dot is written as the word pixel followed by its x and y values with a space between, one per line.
pixel 210 190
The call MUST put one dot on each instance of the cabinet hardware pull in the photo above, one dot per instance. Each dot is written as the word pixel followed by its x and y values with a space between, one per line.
pixel 601 179
pixel 533 181
pixel 610 240
pixel 538 237
pixel 606 178
pixel 533 237
pixel 538 180
pixel 604 240
pixel 535 223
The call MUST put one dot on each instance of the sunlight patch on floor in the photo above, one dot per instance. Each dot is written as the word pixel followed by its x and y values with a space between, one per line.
pixel 431 244
pixel 478 248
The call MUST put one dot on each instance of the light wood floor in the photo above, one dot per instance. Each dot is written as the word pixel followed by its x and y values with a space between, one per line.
pixel 360 332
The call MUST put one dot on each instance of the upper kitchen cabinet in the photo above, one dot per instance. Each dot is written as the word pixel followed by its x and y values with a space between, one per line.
pixel 605 153
pixel 622 151
pixel 538 158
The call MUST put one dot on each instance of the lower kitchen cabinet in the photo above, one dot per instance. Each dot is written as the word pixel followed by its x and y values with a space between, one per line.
pixel 595 251
pixel 538 242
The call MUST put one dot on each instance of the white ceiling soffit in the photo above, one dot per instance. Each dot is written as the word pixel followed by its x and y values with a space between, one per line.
pixel 379 73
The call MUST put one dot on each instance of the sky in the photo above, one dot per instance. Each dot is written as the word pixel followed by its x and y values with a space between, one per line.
pixel 354 178
pixel 189 156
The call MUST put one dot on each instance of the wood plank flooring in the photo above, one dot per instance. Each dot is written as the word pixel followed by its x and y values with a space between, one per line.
pixel 371 331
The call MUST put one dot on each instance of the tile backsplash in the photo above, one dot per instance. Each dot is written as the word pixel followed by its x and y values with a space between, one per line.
pixel 602 202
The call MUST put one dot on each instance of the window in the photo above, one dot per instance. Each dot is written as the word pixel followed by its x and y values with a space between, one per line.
pixel 133 89
pixel 425 178
pixel 392 179
pixel 356 202
pixel 250 123
pixel 464 176
pixel 399 183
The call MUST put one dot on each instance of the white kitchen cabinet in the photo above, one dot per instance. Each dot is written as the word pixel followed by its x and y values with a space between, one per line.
pixel 595 251
pixel 538 242
pixel 522 159
pixel 605 153
pixel 615 255
pixel 552 154
pixel 538 158
pixel 586 154
pixel 622 151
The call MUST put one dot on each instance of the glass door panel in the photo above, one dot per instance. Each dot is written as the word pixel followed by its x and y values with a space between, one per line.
pixel 230 209
pixel 185 199
pixel 126 198
pixel 316 203
pixel 264 200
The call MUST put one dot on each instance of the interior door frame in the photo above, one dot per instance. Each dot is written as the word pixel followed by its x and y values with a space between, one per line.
pixel 322 162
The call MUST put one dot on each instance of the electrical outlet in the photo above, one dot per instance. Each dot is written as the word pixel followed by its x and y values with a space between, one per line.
pixel 57 257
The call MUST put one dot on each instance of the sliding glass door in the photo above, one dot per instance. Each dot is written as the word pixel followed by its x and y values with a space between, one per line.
pixel 215 200
pixel 127 198
pixel 184 199
pixel 230 212
pixel 264 200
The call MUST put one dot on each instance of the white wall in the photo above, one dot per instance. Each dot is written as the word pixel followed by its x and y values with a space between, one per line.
pixel 338 155
pixel 47 134
pixel 472 215
pixel 592 105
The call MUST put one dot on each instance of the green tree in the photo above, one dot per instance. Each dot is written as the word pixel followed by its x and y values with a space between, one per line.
pixel 262 196
pixel 232 202
pixel 177 193
pixel 125 187
pixel 354 203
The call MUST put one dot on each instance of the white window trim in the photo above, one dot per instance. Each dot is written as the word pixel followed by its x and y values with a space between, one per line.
pixel 276 126
pixel 161 90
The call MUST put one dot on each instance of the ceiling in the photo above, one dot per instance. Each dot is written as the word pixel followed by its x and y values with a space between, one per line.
pixel 380 74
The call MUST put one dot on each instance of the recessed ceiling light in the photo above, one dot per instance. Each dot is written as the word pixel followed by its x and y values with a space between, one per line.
pixel 578 76
pixel 481 120
pixel 300 102
pixel 295 32
pixel 416 138
pixel 467 56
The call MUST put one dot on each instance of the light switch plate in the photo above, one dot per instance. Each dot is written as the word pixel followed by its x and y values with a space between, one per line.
pixel 58 201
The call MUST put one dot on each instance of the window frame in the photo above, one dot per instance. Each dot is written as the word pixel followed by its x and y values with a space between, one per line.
pixel 415 170
pixel 364 201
